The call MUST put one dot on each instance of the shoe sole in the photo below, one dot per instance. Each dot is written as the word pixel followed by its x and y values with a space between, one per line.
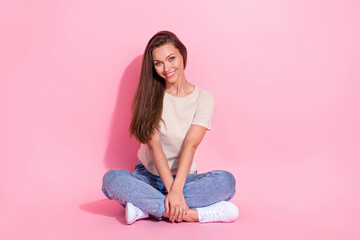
pixel 129 213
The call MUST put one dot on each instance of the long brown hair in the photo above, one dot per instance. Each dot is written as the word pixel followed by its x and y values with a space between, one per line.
pixel 147 104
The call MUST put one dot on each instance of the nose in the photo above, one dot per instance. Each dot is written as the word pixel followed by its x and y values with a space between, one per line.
pixel 166 66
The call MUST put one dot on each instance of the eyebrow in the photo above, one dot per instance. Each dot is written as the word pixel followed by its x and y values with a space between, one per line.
pixel 165 58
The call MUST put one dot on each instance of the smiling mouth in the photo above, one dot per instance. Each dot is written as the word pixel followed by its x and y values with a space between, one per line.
pixel 169 75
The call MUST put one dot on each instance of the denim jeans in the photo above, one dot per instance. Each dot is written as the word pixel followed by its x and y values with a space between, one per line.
pixel 147 192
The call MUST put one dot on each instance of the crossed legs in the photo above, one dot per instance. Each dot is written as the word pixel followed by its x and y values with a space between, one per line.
pixel 142 191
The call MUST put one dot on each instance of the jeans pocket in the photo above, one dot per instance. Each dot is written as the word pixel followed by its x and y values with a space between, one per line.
pixel 139 167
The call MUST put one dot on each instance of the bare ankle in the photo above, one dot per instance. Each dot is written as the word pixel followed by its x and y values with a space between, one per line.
pixel 165 215
pixel 191 216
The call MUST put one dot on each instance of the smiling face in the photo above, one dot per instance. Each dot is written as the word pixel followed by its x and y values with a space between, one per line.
pixel 168 63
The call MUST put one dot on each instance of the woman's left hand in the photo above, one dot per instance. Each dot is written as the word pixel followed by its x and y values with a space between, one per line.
pixel 175 205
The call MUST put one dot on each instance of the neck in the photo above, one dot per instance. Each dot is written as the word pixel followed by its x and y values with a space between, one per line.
pixel 179 87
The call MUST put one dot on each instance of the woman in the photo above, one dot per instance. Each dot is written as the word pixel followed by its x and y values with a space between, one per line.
pixel 170 117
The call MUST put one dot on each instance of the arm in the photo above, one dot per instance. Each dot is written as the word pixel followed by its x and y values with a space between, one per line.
pixel 160 161
pixel 175 198
pixel 192 140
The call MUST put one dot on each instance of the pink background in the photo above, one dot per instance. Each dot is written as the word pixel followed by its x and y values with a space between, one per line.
pixel 285 76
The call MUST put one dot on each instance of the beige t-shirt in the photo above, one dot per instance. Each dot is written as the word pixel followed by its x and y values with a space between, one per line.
pixel 179 113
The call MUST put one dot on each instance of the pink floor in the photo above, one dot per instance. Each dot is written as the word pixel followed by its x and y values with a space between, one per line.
pixel 285 77
pixel 313 198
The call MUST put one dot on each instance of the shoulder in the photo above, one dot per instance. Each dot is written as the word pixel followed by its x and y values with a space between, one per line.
pixel 205 96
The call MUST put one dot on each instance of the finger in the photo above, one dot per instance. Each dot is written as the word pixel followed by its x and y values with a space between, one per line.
pixel 186 208
pixel 177 210
pixel 167 206
pixel 178 218
pixel 181 214
pixel 172 212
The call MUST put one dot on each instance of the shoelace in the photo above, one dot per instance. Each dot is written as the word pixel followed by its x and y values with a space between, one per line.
pixel 217 213
pixel 139 213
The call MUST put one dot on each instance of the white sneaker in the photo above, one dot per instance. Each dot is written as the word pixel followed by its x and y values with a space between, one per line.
pixel 133 213
pixel 218 212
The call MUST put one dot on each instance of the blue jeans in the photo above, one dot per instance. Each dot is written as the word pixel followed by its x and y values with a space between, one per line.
pixel 147 192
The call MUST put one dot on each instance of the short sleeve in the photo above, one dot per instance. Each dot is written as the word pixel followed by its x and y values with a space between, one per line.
pixel 204 110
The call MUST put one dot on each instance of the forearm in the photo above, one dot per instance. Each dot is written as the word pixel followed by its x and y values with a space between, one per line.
pixel 162 167
pixel 185 162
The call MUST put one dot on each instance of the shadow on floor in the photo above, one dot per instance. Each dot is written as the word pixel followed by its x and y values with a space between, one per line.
pixel 110 208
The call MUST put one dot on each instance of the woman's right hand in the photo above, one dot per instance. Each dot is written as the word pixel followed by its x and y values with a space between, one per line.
pixel 175 205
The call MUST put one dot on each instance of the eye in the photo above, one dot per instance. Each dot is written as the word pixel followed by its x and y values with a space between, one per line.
pixel 157 64
pixel 171 59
